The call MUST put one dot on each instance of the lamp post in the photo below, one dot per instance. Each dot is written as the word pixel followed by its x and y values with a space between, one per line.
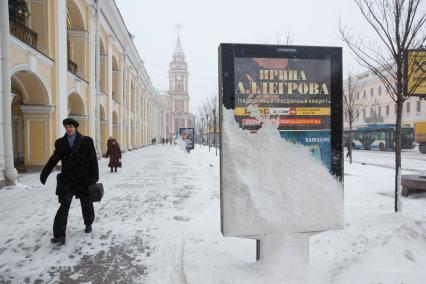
pixel 214 129
pixel 177 127
pixel 208 130
pixel 375 111
pixel 202 130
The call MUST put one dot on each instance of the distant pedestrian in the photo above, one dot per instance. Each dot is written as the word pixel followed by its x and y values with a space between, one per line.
pixel 79 170
pixel 108 143
pixel 163 141
pixel 114 154
pixel 348 155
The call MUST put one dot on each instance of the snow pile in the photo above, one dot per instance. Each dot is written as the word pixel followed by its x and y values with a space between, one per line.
pixel 271 186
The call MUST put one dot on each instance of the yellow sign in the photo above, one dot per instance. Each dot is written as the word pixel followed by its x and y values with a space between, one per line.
pixel 264 111
pixel 417 72
pixel 312 111
pixel 244 111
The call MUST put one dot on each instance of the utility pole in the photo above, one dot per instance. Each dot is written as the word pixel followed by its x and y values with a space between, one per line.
pixel 214 129
pixel 208 130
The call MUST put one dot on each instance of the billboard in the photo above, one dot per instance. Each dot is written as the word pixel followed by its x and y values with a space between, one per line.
pixel 290 92
pixel 188 137
pixel 416 65
pixel 295 91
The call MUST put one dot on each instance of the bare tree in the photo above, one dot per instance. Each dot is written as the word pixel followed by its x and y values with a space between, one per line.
pixel 200 121
pixel 212 105
pixel 399 27
pixel 351 106
pixel 286 39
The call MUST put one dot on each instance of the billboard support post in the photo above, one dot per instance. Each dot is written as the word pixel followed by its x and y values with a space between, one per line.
pixel 283 245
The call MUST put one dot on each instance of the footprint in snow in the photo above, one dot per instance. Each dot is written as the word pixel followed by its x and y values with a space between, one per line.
pixel 409 255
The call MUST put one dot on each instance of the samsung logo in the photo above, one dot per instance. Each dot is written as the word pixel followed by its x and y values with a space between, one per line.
pixel 286 49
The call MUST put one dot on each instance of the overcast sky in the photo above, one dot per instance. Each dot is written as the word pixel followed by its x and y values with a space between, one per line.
pixel 206 24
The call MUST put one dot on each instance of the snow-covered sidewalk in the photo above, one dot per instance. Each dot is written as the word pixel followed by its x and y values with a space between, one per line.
pixel 376 245
pixel 140 224
pixel 159 222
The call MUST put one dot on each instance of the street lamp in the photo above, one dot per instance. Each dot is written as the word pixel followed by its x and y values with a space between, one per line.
pixel 208 130
pixel 214 129
pixel 202 130
pixel 375 111
pixel 176 124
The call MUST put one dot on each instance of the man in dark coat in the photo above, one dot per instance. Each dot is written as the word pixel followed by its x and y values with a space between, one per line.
pixel 79 170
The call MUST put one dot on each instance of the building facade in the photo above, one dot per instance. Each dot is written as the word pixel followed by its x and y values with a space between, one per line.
pixel 72 58
pixel 376 105
pixel 178 92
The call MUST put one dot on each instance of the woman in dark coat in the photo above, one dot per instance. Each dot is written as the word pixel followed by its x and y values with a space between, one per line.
pixel 114 154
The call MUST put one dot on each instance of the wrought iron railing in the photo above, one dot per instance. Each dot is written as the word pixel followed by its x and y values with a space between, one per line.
pixel 22 32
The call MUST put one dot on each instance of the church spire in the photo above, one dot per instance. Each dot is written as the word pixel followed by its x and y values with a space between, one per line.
pixel 178 48
pixel 178 55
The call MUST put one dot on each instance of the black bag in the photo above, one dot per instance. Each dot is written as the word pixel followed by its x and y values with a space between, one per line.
pixel 119 164
pixel 96 191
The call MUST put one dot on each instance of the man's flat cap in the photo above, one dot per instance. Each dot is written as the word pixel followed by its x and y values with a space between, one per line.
pixel 70 121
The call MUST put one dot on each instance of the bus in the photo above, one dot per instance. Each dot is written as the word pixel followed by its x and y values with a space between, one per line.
pixel 379 137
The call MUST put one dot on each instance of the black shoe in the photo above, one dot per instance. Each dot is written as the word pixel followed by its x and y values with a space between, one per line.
pixel 88 229
pixel 59 240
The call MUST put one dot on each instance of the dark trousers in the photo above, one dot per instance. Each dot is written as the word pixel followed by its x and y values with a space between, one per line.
pixel 61 218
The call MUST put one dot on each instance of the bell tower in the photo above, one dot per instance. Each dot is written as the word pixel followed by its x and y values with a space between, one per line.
pixel 178 88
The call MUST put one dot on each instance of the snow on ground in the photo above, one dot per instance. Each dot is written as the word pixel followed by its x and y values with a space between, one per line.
pixel 159 222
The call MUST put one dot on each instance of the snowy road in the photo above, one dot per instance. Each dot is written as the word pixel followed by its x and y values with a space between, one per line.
pixel 139 228
pixel 159 222
pixel 413 162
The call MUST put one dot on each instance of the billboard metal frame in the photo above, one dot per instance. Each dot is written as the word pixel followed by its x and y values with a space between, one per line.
pixel 228 53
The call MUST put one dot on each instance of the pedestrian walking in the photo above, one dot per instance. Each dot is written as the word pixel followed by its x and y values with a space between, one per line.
pixel 348 155
pixel 114 154
pixel 108 144
pixel 163 141
pixel 79 170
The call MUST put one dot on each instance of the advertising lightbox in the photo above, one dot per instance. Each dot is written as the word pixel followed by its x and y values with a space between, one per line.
pixel 281 139
pixel 187 135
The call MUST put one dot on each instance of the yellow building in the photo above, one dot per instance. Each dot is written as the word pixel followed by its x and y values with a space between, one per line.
pixel 71 58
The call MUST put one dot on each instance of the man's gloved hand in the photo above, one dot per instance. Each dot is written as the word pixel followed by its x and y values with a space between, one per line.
pixel 43 177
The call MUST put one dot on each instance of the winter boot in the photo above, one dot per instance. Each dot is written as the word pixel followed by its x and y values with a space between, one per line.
pixel 59 240
pixel 88 229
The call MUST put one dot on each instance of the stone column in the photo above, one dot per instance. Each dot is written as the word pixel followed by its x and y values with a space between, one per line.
pixel 109 76
pixel 98 82
pixel 61 62
pixel 92 73
pixel 8 174
pixel 129 118
pixel 120 96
